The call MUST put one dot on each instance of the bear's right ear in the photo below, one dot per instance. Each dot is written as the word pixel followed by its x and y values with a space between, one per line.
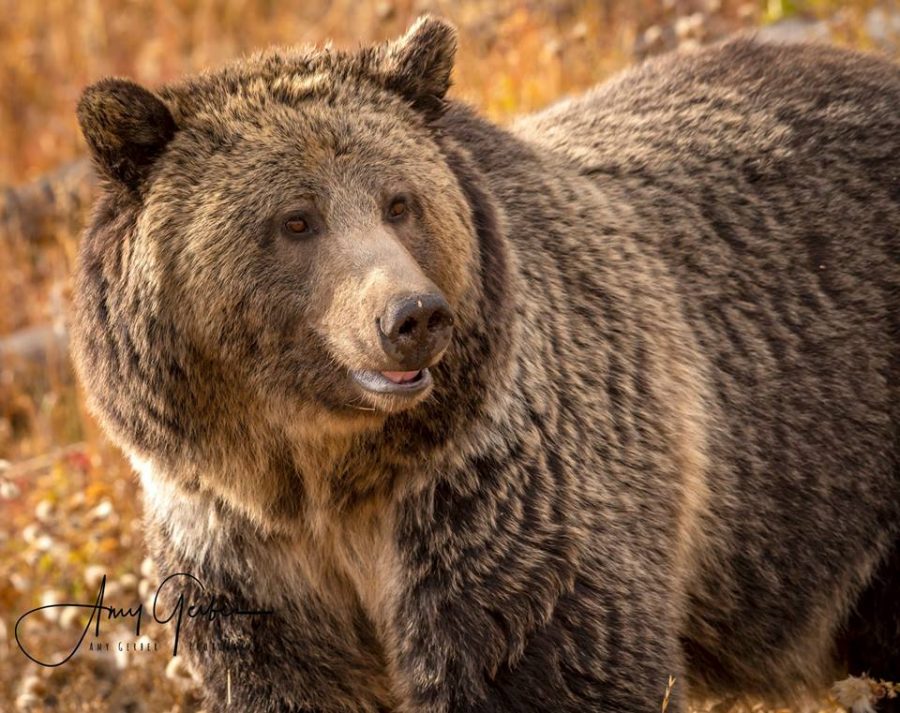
pixel 126 128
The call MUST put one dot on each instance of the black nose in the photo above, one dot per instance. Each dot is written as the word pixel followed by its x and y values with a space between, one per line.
pixel 416 328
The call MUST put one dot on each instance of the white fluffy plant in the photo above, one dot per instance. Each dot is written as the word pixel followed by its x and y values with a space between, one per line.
pixel 862 694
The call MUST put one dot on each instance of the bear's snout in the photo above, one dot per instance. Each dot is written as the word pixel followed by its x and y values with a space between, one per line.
pixel 416 328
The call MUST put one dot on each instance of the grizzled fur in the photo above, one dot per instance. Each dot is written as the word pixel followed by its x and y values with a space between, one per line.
pixel 663 441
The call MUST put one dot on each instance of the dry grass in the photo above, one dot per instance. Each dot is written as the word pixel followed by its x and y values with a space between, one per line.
pixel 68 503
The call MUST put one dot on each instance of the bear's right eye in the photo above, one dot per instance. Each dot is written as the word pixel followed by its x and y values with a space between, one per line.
pixel 297 225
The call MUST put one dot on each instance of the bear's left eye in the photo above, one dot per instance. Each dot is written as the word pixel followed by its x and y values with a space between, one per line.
pixel 398 208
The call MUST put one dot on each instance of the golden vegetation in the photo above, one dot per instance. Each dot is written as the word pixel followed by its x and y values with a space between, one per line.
pixel 69 506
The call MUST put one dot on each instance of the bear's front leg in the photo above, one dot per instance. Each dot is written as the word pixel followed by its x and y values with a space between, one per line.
pixel 286 662
pixel 512 605
pixel 256 652
pixel 600 648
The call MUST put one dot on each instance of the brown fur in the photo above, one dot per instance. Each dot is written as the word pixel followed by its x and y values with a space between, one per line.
pixel 675 363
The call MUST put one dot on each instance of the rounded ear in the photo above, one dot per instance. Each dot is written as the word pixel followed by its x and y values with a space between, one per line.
pixel 126 128
pixel 418 64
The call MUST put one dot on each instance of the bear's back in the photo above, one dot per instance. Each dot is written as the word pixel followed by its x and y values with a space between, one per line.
pixel 767 180
pixel 742 105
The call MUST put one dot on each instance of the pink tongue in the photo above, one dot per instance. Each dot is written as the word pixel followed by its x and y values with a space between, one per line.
pixel 399 377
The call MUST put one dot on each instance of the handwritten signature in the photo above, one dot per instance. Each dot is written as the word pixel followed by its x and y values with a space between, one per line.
pixel 210 609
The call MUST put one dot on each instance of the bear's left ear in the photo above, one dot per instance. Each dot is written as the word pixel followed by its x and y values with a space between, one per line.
pixel 418 64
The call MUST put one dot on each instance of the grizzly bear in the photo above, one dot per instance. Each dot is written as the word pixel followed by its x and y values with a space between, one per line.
pixel 442 416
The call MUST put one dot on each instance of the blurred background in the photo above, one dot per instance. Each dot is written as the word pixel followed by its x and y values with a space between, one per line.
pixel 69 505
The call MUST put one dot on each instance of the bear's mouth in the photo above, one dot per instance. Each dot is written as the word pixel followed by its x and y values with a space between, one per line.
pixel 403 383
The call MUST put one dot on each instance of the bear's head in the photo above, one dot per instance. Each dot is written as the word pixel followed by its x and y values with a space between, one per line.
pixel 284 239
